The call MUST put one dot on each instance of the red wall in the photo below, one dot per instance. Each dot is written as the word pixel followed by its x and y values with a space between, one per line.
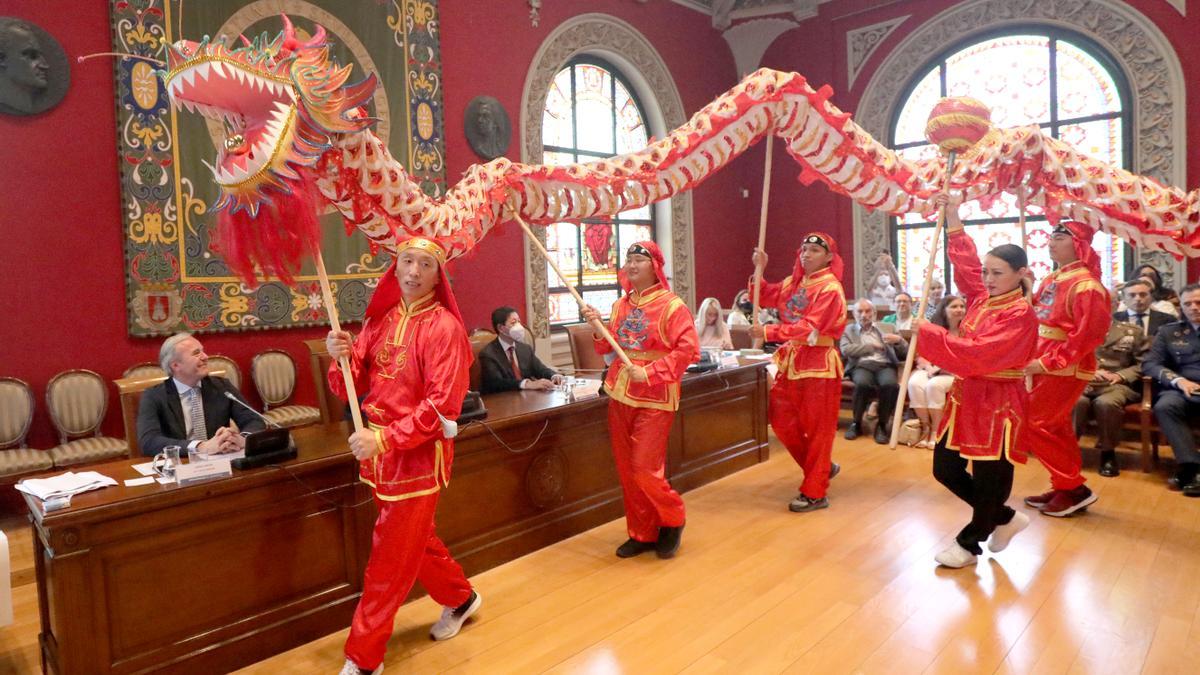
pixel 60 217
pixel 817 49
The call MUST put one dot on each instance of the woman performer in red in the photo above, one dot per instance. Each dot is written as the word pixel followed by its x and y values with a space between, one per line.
pixel 1075 311
pixel 657 332
pixel 987 404
pixel 807 392
pixel 413 360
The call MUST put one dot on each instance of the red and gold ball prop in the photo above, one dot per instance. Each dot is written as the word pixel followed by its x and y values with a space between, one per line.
pixel 957 123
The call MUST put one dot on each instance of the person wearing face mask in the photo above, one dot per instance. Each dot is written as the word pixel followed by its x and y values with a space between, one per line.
pixel 657 333
pixel 983 420
pixel 508 362
pixel 743 309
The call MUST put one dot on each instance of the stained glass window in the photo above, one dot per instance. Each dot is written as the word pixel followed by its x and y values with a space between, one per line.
pixel 1049 77
pixel 591 113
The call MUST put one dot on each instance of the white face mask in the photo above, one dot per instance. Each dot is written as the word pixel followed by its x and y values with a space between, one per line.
pixel 516 332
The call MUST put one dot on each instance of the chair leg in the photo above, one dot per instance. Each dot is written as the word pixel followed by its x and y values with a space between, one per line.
pixel 1145 433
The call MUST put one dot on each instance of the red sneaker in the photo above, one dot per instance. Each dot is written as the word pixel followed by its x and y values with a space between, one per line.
pixel 1039 502
pixel 1066 502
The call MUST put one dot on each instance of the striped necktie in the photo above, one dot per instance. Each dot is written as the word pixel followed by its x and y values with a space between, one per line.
pixel 196 414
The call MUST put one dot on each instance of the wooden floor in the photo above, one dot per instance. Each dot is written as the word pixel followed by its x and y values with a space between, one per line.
pixel 756 589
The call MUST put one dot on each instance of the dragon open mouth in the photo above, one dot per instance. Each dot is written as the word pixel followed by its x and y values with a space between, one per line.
pixel 257 109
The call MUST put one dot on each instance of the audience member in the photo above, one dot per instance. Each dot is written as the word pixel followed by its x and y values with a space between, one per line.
pixel 872 351
pixel 1137 299
pixel 937 289
pixel 1114 384
pixel 743 309
pixel 713 332
pixel 902 315
pixel 929 384
pixel 189 408
pixel 1174 363
pixel 508 363
pixel 1165 299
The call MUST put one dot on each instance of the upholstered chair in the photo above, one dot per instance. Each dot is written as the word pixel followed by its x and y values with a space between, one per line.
pixel 77 400
pixel 229 367
pixel 274 375
pixel 16 414
pixel 143 370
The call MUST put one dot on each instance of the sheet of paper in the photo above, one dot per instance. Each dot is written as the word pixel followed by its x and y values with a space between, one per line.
pixel 134 482
pixel 165 481
pixel 145 468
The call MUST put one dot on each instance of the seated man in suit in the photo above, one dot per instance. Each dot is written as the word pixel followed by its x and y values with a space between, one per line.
pixel 872 351
pixel 1114 385
pixel 189 408
pixel 507 363
pixel 1174 364
pixel 1138 296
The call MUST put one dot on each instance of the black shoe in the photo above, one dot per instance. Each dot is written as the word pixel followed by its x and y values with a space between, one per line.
pixel 852 431
pixel 834 470
pixel 881 435
pixel 668 541
pixel 1192 489
pixel 1108 464
pixel 1173 484
pixel 634 547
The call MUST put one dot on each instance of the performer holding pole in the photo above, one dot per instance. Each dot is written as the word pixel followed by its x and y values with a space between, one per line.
pixel 413 359
pixel 807 391
pixel 1074 311
pixel 656 330
pixel 955 124
pixel 985 411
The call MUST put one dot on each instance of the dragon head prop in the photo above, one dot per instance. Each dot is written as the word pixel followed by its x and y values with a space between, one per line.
pixel 281 101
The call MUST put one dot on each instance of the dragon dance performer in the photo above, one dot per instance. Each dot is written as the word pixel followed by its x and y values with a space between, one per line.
pixel 987 404
pixel 807 392
pixel 657 332
pixel 1074 311
pixel 413 359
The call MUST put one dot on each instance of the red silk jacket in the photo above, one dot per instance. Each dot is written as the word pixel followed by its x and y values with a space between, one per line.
pixel 1075 311
pixel 816 303
pixel 997 337
pixel 412 364
pixel 657 331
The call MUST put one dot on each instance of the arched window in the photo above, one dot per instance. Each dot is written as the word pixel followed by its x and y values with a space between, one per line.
pixel 591 113
pixel 1054 78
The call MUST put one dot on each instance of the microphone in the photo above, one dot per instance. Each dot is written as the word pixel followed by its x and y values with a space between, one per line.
pixel 229 395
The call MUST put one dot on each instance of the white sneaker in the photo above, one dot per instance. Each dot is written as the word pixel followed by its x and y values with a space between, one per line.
pixel 955 556
pixel 1003 534
pixel 351 668
pixel 453 618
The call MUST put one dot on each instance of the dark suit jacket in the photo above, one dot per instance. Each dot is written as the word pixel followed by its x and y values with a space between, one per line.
pixel 497 371
pixel 1174 353
pixel 160 415
pixel 1157 320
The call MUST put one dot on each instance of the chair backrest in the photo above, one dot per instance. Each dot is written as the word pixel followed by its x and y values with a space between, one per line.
pixel 480 338
pixel 739 335
pixel 129 390
pixel 319 361
pixel 143 370
pixel 16 412
pixel 583 354
pixel 77 400
pixel 274 375
pixel 230 368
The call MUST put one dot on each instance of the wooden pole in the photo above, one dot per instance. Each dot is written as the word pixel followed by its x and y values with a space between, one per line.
pixel 571 287
pixel 762 232
pixel 343 363
pixel 1021 216
pixel 898 414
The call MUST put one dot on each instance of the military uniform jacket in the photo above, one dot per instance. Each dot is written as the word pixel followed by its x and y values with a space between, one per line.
pixel 1174 353
pixel 1123 350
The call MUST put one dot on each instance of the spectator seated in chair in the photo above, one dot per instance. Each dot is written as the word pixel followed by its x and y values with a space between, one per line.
pixel 713 332
pixel 1173 362
pixel 189 408
pixel 872 351
pixel 902 317
pixel 508 363
pixel 1119 369
pixel 928 384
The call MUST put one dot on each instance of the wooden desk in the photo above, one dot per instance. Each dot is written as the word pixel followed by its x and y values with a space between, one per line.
pixel 212 577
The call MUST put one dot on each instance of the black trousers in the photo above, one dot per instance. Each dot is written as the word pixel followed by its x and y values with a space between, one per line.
pixel 985 491
pixel 869 384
